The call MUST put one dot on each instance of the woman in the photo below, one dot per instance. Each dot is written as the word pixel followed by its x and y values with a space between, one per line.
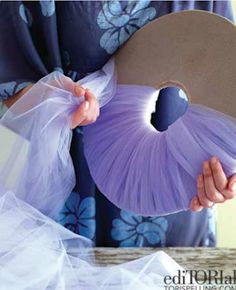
pixel 78 38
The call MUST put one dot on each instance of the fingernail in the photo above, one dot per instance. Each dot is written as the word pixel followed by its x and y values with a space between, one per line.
pixel 214 160
pixel 86 105
pixel 79 90
pixel 205 167
pixel 233 186
pixel 199 180
pixel 87 91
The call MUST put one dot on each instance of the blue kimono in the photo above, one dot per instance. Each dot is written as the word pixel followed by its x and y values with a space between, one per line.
pixel 77 38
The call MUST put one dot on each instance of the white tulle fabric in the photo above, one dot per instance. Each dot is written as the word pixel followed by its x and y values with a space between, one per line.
pixel 42 116
pixel 36 253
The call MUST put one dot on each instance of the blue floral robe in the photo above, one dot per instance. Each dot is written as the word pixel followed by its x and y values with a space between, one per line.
pixel 77 38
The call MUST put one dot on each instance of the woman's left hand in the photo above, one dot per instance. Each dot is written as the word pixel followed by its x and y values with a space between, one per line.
pixel 88 111
pixel 213 186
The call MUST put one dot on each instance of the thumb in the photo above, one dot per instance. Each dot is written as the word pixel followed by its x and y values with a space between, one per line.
pixel 79 115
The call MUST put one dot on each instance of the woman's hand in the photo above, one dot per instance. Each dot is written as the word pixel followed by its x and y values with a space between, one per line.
pixel 86 113
pixel 213 186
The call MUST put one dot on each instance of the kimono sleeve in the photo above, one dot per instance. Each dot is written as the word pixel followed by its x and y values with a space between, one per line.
pixel 20 62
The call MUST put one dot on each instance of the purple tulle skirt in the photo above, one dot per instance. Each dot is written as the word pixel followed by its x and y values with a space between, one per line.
pixel 149 172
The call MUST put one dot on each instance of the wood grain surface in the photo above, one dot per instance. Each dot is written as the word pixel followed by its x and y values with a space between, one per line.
pixel 189 258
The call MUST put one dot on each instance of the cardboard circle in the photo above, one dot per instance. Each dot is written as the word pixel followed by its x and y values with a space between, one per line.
pixel 195 50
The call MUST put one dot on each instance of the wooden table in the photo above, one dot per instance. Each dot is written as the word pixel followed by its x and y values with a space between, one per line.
pixel 189 258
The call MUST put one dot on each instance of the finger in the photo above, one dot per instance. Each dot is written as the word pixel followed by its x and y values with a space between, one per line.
pixel 80 115
pixel 87 122
pixel 221 180
pixel 93 111
pixel 195 204
pixel 91 118
pixel 230 192
pixel 89 96
pixel 79 90
pixel 204 201
pixel 94 105
pixel 219 176
pixel 210 182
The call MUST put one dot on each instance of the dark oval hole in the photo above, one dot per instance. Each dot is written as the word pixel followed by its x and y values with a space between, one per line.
pixel 171 104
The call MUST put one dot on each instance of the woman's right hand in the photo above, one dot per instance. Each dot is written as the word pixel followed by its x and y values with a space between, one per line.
pixel 86 113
